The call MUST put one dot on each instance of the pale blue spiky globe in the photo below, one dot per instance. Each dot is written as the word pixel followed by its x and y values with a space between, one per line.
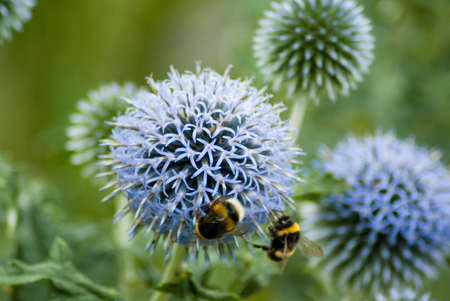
pixel 194 138
pixel 391 228
pixel 404 294
pixel 319 48
pixel 13 13
pixel 89 124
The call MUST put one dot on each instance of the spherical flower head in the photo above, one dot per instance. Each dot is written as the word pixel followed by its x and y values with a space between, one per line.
pixel 13 13
pixel 195 138
pixel 390 228
pixel 89 124
pixel 315 47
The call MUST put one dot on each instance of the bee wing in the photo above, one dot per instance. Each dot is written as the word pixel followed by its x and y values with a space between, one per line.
pixel 240 229
pixel 309 248
pixel 284 261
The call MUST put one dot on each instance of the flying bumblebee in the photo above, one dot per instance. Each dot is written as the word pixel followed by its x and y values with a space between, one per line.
pixel 286 235
pixel 223 216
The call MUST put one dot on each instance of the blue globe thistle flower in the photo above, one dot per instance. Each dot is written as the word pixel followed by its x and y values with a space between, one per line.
pixel 89 124
pixel 13 13
pixel 316 47
pixel 194 138
pixel 390 228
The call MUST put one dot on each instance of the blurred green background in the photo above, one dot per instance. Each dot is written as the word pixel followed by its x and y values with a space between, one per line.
pixel 70 47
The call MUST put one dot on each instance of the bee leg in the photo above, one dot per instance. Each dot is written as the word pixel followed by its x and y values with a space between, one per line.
pixel 272 231
pixel 262 247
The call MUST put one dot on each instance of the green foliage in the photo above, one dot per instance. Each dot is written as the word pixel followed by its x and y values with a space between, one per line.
pixel 8 182
pixel 317 186
pixel 67 282
pixel 38 219
pixel 254 272
pixel 186 287
pixel 8 216
pixel 51 64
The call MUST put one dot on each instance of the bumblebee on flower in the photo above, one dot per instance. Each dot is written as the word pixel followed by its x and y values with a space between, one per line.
pixel 198 137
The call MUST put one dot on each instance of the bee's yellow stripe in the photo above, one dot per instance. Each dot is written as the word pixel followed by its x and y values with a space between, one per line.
pixel 282 255
pixel 289 230
pixel 229 224
pixel 197 231
pixel 220 210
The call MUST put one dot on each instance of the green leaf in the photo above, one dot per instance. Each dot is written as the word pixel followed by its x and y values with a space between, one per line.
pixel 60 251
pixel 60 272
pixel 186 286
pixel 76 298
pixel 175 288
pixel 255 273
pixel 8 208
pixel 211 294
pixel 41 218
pixel 8 182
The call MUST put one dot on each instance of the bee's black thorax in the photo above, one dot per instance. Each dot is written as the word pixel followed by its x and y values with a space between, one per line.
pixel 282 223
pixel 210 230
pixel 232 213
pixel 290 239
pixel 222 216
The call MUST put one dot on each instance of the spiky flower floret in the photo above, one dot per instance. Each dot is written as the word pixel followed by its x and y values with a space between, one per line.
pixel 89 124
pixel 13 13
pixel 195 138
pixel 316 47
pixel 390 229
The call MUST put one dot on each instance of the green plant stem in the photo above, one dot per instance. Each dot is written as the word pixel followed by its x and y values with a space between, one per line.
pixel 11 222
pixel 171 271
pixel 297 116
pixel 8 236
pixel 236 285
pixel 126 261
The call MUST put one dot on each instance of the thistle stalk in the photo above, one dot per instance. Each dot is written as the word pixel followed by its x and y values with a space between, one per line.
pixel 297 116
pixel 171 271
pixel 125 261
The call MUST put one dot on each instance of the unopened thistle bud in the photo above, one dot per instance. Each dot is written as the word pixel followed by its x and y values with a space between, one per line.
pixel 89 125
pixel 316 47
pixel 13 13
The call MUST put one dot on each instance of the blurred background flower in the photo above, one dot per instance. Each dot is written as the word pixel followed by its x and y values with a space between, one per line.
pixel 405 294
pixel 13 13
pixel 390 229
pixel 89 125
pixel 316 47
pixel 195 138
